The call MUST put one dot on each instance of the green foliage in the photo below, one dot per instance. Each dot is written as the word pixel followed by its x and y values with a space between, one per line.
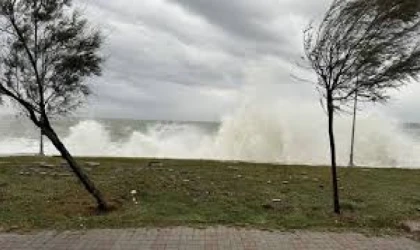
pixel 362 49
pixel 365 46
pixel 49 49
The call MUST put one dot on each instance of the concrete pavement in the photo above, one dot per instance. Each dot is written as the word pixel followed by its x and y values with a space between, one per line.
pixel 200 239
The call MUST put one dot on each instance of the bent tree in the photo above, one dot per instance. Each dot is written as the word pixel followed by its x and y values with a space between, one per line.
pixel 362 48
pixel 47 51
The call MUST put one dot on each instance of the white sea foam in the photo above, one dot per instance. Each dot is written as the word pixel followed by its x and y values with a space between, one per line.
pixel 261 129
pixel 252 133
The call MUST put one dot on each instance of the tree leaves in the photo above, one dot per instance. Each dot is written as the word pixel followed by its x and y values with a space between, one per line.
pixel 365 46
pixel 49 51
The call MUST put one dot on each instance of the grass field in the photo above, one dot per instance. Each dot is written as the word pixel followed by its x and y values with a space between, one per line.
pixel 38 193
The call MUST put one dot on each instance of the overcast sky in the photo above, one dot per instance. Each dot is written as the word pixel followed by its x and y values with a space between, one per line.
pixel 194 59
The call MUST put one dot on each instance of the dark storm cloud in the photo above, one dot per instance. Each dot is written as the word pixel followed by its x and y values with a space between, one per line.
pixel 265 26
pixel 236 17
pixel 190 59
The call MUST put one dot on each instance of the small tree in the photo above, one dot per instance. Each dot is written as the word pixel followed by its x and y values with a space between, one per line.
pixel 363 47
pixel 47 51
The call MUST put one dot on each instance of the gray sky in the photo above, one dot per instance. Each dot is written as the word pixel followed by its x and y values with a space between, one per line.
pixel 194 59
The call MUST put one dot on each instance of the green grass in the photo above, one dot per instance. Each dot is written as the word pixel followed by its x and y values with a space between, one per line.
pixel 203 193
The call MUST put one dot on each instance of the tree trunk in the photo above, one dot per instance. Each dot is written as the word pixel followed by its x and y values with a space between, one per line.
pixel 333 157
pixel 87 183
pixel 41 144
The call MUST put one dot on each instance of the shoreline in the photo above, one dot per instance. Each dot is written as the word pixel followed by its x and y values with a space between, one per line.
pixel 93 157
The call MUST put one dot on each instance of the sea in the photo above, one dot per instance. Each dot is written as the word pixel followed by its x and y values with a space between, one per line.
pixel 245 136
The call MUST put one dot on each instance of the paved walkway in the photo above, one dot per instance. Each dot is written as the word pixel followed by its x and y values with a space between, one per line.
pixel 206 239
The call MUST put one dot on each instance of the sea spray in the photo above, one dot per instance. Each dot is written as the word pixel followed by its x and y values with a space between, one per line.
pixel 267 132
pixel 271 122
pixel 262 128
